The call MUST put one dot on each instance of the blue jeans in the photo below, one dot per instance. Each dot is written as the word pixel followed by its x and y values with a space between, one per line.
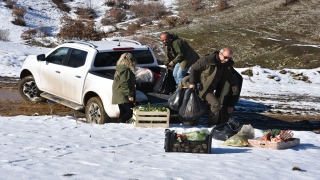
pixel 178 73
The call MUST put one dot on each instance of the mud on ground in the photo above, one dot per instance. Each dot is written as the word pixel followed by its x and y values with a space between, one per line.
pixel 298 119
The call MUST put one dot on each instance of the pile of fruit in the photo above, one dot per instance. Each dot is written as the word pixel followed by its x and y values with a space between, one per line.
pixel 277 135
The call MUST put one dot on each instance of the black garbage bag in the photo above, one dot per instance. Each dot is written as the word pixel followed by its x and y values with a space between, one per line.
pixel 225 130
pixel 165 83
pixel 192 106
pixel 175 101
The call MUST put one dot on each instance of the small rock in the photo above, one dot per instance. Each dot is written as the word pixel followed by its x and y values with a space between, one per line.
pixel 270 76
pixel 283 71
pixel 276 78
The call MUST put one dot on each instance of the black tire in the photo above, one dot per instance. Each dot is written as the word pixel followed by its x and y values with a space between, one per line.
pixel 95 112
pixel 29 90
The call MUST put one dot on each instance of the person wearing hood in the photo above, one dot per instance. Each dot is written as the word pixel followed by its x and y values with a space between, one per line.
pixel 207 73
pixel 123 87
pixel 179 54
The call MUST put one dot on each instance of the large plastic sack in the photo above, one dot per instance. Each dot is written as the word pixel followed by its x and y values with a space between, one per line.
pixel 199 135
pixel 241 138
pixel 143 75
pixel 192 106
pixel 175 101
pixel 165 83
pixel 226 130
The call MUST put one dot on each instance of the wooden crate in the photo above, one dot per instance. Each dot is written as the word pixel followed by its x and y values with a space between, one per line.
pixel 151 119
pixel 274 145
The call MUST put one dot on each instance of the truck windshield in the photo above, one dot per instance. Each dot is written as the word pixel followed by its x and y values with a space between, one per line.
pixel 104 59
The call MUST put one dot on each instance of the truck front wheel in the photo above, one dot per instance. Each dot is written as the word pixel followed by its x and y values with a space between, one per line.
pixel 95 112
pixel 29 90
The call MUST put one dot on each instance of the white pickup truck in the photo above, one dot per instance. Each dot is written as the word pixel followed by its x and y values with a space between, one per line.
pixel 80 74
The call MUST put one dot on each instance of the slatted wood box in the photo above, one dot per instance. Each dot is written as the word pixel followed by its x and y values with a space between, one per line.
pixel 151 119
pixel 274 145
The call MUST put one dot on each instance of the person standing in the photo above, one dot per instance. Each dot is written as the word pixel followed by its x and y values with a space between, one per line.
pixel 123 87
pixel 179 54
pixel 209 71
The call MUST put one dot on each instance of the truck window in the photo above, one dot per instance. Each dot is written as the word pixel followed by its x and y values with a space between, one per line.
pixel 104 59
pixel 58 56
pixel 77 58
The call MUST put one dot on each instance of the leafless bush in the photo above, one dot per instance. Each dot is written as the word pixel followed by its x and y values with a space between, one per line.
pixel 117 14
pixel 107 21
pixel 79 29
pixel 19 22
pixel 196 4
pixel 287 2
pixel 61 5
pixel 18 12
pixel 133 27
pixel 185 18
pixel 222 5
pixel 171 21
pixel 10 3
pixel 4 35
pixel 110 3
pixel 29 34
pixel 156 10
pixel 86 13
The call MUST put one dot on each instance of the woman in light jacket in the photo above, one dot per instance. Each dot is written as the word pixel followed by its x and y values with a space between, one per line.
pixel 124 86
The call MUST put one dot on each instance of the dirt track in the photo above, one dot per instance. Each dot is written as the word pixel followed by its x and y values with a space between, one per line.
pixel 282 117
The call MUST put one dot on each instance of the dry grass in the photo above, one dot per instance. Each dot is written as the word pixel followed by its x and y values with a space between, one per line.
pixel 4 35
pixel 222 5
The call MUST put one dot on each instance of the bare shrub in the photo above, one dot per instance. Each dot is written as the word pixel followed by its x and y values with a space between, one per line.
pixel 85 13
pixel 110 3
pixel 306 58
pixel 18 12
pixel 19 22
pixel 29 34
pixel 10 3
pixel 133 27
pixel 155 10
pixel 79 30
pixel 106 21
pixel 287 2
pixel 171 21
pixel 4 35
pixel 185 18
pixel 117 14
pixel 61 5
pixel 196 4
pixel 222 5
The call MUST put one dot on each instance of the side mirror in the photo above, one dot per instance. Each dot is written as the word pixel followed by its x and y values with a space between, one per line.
pixel 41 57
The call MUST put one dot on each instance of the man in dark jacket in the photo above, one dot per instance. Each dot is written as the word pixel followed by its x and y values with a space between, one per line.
pixel 179 55
pixel 227 97
pixel 211 70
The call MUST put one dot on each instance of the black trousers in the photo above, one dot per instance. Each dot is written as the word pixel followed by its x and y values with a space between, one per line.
pixel 125 111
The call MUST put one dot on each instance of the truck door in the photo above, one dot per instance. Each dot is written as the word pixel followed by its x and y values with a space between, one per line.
pixel 73 76
pixel 51 70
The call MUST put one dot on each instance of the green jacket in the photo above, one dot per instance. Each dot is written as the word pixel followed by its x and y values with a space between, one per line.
pixel 123 85
pixel 204 71
pixel 179 51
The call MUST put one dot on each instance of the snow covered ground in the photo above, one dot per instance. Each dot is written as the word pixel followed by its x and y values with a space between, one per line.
pixel 53 147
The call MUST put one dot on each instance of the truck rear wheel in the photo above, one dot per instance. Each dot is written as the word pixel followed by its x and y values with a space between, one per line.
pixel 95 112
pixel 29 90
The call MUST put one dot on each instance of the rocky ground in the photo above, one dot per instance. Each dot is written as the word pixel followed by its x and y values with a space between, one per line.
pixel 247 112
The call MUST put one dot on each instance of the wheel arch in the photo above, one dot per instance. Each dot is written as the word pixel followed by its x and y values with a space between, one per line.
pixel 25 73
pixel 89 95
